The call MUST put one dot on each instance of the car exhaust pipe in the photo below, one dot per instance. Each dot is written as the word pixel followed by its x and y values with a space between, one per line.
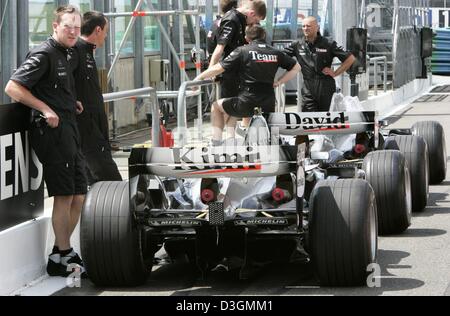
pixel 208 196
pixel 280 195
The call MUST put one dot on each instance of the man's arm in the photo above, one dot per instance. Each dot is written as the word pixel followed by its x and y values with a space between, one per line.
pixel 343 68
pixel 288 76
pixel 217 55
pixel 21 94
pixel 213 71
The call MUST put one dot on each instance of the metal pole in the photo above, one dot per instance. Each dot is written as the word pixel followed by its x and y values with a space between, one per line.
pixel 294 20
pixel 375 80
pixel 167 38
pixel 182 118
pixel 385 74
pixel 122 43
pixel 151 13
pixel 181 29
pixel 199 70
pixel 269 20
pixel 209 14
pixel 148 92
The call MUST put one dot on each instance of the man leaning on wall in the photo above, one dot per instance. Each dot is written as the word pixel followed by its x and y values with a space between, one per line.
pixel 44 83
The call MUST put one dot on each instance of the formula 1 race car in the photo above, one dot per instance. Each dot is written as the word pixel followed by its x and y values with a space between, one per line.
pixel 288 187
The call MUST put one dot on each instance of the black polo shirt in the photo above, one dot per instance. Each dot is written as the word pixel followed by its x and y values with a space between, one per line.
pixel 314 57
pixel 46 73
pixel 257 64
pixel 87 85
pixel 232 31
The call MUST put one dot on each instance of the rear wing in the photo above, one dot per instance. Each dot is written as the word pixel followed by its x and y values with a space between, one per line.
pixel 213 162
pixel 334 123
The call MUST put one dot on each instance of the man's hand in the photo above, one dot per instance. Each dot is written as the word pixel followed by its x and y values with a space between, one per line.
pixel 51 118
pixel 80 108
pixel 329 72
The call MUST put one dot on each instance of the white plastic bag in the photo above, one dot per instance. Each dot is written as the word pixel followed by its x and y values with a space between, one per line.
pixel 341 103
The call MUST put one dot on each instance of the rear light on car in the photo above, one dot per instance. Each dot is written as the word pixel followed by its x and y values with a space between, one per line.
pixel 280 195
pixel 208 196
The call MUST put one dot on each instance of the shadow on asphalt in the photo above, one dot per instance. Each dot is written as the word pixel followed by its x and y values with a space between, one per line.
pixel 273 280
pixel 434 206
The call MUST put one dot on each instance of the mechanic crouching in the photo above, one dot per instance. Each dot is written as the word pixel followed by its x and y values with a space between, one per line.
pixel 256 65
pixel 315 54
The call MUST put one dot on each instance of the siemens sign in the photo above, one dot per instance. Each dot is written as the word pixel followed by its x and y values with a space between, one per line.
pixel 21 181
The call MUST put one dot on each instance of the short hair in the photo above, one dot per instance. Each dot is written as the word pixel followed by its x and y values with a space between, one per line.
pixel 259 6
pixel 255 32
pixel 227 5
pixel 91 20
pixel 65 9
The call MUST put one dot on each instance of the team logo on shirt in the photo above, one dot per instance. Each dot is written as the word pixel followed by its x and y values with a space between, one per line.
pixel 263 58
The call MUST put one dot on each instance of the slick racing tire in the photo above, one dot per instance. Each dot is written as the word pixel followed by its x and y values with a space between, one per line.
pixel 112 245
pixel 415 151
pixel 343 231
pixel 388 174
pixel 434 136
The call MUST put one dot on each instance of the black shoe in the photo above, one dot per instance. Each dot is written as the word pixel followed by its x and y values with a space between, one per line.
pixel 54 266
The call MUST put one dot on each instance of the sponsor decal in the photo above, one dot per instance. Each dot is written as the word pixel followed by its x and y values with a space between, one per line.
pixel 321 50
pixel 210 161
pixel 21 173
pixel 263 221
pixel 175 222
pixel 263 58
pixel 295 121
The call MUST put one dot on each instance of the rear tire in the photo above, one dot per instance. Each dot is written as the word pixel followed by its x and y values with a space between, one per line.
pixel 415 151
pixel 112 244
pixel 388 174
pixel 343 231
pixel 434 135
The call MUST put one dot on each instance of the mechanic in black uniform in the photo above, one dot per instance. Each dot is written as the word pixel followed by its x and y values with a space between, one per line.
pixel 44 82
pixel 315 55
pixel 93 122
pixel 256 65
pixel 211 40
pixel 231 35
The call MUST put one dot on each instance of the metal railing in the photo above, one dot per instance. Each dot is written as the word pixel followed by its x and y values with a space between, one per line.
pixel 375 61
pixel 145 93
pixel 181 137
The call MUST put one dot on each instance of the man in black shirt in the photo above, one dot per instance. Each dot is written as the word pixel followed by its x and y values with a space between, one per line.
pixel 93 122
pixel 211 41
pixel 44 82
pixel 256 65
pixel 231 35
pixel 315 55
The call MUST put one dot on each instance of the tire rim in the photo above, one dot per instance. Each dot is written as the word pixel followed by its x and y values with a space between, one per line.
pixel 373 232
pixel 408 196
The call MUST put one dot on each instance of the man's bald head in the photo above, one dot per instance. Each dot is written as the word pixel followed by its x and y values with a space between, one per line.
pixel 310 28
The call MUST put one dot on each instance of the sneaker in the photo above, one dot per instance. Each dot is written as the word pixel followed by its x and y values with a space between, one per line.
pixel 73 260
pixel 54 266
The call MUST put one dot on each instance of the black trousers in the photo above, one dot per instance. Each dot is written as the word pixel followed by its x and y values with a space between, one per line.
pixel 317 94
pixel 93 127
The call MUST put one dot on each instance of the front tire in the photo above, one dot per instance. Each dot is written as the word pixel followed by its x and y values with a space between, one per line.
pixel 388 174
pixel 415 150
pixel 434 136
